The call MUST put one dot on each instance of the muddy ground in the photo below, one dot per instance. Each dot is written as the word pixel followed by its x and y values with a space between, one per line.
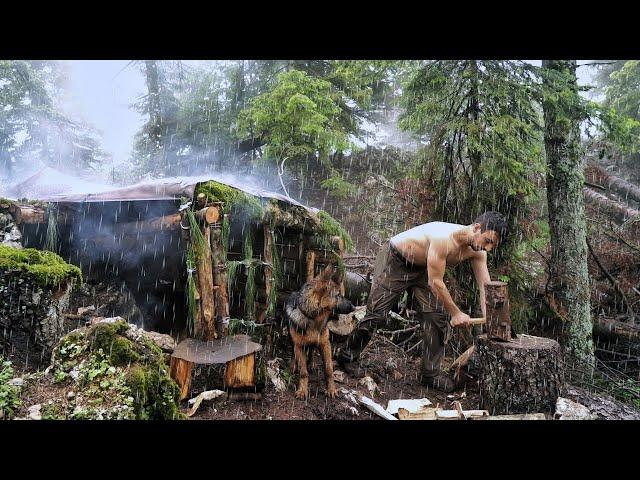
pixel 284 406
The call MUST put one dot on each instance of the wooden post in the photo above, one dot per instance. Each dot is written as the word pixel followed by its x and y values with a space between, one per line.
pixel 207 215
pixel 240 373
pixel 220 272
pixel 206 330
pixel 498 317
pixel 268 267
pixel 311 263
pixel 180 370
pixel 186 238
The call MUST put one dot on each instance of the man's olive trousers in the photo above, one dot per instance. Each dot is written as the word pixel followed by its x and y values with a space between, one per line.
pixel 392 276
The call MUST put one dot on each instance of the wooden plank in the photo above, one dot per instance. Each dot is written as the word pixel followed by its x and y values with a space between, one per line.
pixel 426 414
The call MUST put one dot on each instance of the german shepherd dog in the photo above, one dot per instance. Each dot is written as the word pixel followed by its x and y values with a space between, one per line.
pixel 308 312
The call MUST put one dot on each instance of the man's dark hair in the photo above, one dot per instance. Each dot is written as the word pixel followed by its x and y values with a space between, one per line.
pixel 493 221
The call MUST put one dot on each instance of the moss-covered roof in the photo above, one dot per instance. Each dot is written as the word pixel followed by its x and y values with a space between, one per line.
pixel 275 211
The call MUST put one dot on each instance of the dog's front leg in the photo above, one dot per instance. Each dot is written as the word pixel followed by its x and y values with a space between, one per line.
pixel 301 361
pixel 325 352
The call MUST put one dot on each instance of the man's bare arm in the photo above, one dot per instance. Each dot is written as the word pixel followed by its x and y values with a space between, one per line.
pixel 436 263
pixel 481 272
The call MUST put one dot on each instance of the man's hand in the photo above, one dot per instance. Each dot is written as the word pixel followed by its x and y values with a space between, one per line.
pixel 460 319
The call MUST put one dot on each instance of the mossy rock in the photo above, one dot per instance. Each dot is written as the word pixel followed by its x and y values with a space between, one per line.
pixel 47 268
pixel 108 337
pixel 116 373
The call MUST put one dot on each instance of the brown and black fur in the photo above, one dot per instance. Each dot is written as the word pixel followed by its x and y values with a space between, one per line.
pixel 308 312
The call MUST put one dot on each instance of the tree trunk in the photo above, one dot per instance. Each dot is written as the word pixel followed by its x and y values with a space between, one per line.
pixel 525 375
pixel 153 102
pixel 569 276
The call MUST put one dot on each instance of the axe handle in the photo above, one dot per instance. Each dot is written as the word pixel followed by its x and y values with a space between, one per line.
pixel 476 321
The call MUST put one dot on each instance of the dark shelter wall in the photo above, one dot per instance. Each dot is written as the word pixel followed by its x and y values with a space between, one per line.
pixel 107 239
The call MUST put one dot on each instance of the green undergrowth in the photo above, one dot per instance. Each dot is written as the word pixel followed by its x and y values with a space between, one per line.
pixel 46 267
pixel 113 376
pixel 9 394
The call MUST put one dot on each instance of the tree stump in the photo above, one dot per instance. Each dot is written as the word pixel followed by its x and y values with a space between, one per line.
pixel 523 375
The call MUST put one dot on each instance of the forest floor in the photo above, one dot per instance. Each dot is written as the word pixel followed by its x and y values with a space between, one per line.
pixel 284 406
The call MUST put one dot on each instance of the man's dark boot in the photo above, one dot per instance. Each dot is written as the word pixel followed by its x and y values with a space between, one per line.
pixel 440 382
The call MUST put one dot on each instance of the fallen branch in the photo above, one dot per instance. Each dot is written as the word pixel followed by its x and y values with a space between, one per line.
pixel 616 286
pixel 610 207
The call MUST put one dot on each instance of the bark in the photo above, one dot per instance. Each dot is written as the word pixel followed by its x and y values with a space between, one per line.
pixel 205 328
pixel 525 375
pixel 181 371
pixel 240 373
pixel 220 278
pixel 155 114
pixel 569 276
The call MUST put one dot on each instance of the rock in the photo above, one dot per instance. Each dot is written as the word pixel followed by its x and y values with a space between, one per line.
pixel 31 319
pixel 166 342
pixel 273 372
pixel 338 376
pixel 34 412
pixel 369 384
pixel 569 410
pixel 16 382
pixel 71 395
pixel 345 408
pixel 84 310
pixel 602 406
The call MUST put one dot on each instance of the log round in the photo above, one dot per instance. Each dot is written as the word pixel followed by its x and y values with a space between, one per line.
pixel 523 375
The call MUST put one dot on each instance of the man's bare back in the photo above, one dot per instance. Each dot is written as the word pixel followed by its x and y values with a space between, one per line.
pixel 414 244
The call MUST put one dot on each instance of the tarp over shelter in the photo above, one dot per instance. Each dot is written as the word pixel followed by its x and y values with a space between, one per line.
pixel 50 185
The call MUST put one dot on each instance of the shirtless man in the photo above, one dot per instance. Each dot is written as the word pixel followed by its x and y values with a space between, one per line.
pixel 416 260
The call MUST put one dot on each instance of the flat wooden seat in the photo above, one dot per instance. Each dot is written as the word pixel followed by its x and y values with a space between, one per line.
pixel 236 352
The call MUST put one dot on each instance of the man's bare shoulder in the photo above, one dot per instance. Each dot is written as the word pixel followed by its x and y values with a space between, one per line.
pixel 439 230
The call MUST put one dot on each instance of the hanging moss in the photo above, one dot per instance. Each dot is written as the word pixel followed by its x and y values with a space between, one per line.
pixel 47 267
pixel 250 287
pixel 276 269
pixel 232 272
pixel 191 289
pixel 330 227
pixel 196 237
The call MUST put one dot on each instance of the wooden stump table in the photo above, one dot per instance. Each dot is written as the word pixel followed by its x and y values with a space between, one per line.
pixel 236 353
pixel 523 375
